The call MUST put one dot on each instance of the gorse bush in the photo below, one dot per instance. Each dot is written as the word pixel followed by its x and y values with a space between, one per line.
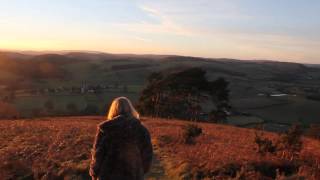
pixel 291 143
pixel 292 138
pixel 265 145
pixel 190 132
pixel 165 140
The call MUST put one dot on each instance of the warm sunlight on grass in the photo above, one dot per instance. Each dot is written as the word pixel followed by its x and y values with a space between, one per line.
pixel 60 148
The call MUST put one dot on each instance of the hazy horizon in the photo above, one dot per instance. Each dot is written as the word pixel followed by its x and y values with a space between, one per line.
pixel 63 52
pixel 243 29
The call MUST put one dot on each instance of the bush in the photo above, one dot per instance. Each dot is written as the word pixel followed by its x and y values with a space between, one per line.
pixel 265 145
pixel 291 143
pixel 165 140
pixel 310 167
pixel 190 132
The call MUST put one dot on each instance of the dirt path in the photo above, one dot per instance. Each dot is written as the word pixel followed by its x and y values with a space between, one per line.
pixel 157 171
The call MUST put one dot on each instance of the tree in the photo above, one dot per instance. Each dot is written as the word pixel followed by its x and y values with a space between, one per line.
pixel 219 91
pixel 180 94
pixel 220 97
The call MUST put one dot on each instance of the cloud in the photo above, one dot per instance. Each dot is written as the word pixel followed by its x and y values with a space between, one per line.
pixel 163 24
pixel 184 18
pixel 143 39
pixel 210 23
pixel 187 18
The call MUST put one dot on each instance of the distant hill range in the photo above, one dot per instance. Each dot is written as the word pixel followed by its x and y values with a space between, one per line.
pixel 95 55
pixel 67 68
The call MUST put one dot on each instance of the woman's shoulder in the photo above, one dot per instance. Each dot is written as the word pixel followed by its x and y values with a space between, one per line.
pixel 107 124
pixel 118 121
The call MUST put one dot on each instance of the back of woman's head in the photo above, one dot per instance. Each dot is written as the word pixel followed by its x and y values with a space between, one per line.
pixel 122 106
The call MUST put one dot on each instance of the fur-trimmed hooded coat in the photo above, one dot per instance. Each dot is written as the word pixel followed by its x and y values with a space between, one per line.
pixel 122 150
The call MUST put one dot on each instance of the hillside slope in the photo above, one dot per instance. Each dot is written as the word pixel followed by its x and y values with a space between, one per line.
pixel 60 148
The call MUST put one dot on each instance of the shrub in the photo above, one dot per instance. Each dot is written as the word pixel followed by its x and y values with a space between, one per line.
pixel 190 132
pixel 291 143
pixel 265 145
pixel 310 167
pixel 164 140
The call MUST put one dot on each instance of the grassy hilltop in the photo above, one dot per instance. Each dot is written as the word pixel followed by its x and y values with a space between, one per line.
pixel 60 148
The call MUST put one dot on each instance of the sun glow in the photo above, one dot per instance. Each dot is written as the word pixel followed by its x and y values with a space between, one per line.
pixel 233 29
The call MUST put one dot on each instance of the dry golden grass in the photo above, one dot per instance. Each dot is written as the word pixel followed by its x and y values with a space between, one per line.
pixel 59 148
pixel 217 148
pixel 50 147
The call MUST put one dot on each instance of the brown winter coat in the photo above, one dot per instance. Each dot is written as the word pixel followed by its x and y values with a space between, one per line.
pixel 122 150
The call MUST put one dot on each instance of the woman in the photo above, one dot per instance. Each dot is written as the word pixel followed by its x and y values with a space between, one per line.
pixel 122 149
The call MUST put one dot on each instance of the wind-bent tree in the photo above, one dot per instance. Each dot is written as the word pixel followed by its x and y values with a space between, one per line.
pixel 180 94
pixel 219 93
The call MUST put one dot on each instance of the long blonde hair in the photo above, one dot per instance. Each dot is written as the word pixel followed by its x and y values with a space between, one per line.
pixel 122 106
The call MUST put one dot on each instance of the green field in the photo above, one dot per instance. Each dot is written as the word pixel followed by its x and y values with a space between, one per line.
pixel 276 113
pixel 298 110
pixel 26 104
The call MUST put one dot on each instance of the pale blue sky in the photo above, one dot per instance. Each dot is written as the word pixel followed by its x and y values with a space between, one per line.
pixel 286 30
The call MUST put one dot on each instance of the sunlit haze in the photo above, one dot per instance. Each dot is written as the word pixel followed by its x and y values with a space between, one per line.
pixel 286 30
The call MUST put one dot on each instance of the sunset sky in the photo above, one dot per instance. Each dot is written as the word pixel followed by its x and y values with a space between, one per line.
pixel 286 30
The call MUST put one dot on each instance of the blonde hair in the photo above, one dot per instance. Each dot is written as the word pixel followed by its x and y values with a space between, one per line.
pixel 122 106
